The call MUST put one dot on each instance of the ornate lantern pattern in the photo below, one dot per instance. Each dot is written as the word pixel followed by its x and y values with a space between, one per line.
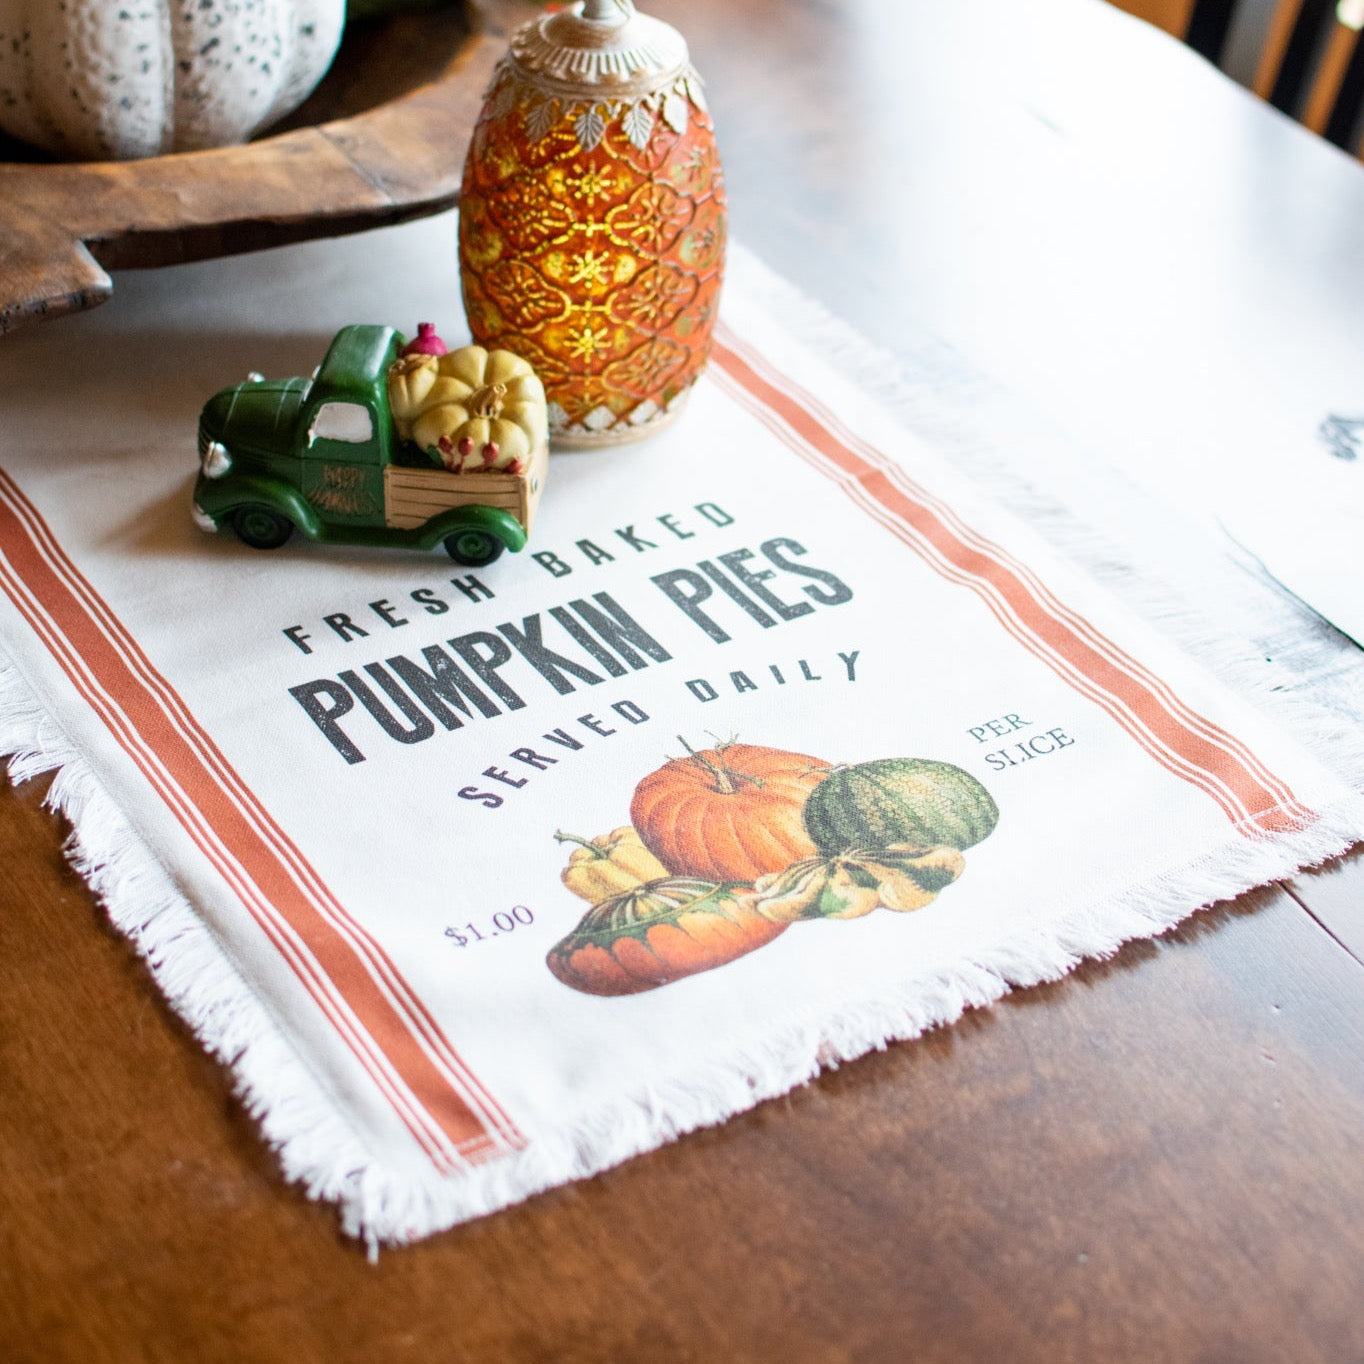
pixel 592 219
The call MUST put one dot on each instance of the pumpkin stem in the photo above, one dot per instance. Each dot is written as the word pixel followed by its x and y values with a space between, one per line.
pixel 727 780
pixel 487 401
pixel 595 848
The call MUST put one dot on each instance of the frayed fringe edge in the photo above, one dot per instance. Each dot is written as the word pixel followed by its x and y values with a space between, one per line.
pixel 321 1151
pixel 1320 702
pixel 381 1205
pixel 799 1049
pixel 298 1119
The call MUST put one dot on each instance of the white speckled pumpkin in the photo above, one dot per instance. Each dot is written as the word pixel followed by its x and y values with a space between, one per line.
pixel 475 409
pixel 119 79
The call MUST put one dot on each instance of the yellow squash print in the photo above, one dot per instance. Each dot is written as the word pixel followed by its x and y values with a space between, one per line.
pixel 856 882
pixel 911 878
pixel 816 888
pixel 610 865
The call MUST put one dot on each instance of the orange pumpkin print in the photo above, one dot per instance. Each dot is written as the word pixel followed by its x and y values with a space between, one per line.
pixel 728 813
pixel 657 933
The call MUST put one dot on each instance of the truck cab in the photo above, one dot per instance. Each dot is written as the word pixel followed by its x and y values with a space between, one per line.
pixel 321 456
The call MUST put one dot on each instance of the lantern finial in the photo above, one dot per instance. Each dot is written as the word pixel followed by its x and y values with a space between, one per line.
pixel 607 11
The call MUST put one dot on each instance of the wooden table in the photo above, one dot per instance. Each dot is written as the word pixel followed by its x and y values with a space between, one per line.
pixel 1156 1159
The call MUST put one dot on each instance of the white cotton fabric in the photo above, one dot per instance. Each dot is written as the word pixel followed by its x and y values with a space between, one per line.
pixel 1097 843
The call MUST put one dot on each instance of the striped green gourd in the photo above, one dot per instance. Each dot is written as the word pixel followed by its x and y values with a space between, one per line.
pixel 918 801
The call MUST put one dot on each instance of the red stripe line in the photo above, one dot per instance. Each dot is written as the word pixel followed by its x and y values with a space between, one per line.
pixel 856 487
pixel 298 957
pixel 150 729
pixel 1196 750
pixel 995 603
pixel 968 533
pixel 1003 612
pixel 385 972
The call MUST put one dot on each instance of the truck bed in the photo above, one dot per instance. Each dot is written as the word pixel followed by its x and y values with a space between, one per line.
pixel 413 496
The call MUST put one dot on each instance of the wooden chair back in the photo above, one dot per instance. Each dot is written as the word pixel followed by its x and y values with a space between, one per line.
pixel 1303 56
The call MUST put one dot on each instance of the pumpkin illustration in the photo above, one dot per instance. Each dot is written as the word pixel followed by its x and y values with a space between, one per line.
pixel 471 409
pixel 657 933
pixel 728 813
pixel 105 81
pixel 915 801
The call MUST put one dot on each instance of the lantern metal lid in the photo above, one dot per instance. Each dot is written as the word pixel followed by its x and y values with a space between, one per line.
pixel 600 47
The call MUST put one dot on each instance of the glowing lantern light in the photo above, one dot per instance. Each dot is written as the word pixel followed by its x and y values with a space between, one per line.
pixel 592 219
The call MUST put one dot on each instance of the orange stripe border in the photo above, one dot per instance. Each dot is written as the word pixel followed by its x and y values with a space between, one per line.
pixel 341 966
pixel 1182 741
pixel 358 989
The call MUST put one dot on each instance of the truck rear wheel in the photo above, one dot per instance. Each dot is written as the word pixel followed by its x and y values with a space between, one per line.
pixel 473 548
pixel 261 528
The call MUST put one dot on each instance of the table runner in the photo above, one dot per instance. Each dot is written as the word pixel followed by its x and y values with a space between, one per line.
pixel 322 788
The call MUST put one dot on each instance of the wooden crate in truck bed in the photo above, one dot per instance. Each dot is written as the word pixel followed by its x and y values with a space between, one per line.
pixel 413 496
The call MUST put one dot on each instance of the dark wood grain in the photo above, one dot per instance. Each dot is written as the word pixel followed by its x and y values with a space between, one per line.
pixel 1154 1160
pixel 382 140
pixel 1334 896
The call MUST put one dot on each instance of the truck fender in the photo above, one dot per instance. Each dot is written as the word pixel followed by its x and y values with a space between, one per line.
pixel 256 490
pixel 493 520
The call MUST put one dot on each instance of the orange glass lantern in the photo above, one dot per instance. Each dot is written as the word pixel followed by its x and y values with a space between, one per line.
pixel 592 219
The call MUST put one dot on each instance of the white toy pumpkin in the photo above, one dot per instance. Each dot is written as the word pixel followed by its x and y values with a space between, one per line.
pixel 476 409
pixel 119 79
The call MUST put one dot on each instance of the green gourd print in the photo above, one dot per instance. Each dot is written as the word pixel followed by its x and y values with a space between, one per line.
pixel 914 801
pixel 659 932
pixel 749 840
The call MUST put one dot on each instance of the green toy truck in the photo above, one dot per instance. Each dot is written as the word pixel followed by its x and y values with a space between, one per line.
pixel 323 456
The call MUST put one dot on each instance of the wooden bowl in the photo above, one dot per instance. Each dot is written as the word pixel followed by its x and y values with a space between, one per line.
pixel 381 140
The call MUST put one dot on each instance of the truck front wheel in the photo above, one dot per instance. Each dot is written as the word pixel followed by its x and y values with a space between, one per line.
pixel 473 548
pixel 261 528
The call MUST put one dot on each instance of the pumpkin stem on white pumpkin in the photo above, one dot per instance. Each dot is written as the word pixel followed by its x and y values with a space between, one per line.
pixel 487 401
